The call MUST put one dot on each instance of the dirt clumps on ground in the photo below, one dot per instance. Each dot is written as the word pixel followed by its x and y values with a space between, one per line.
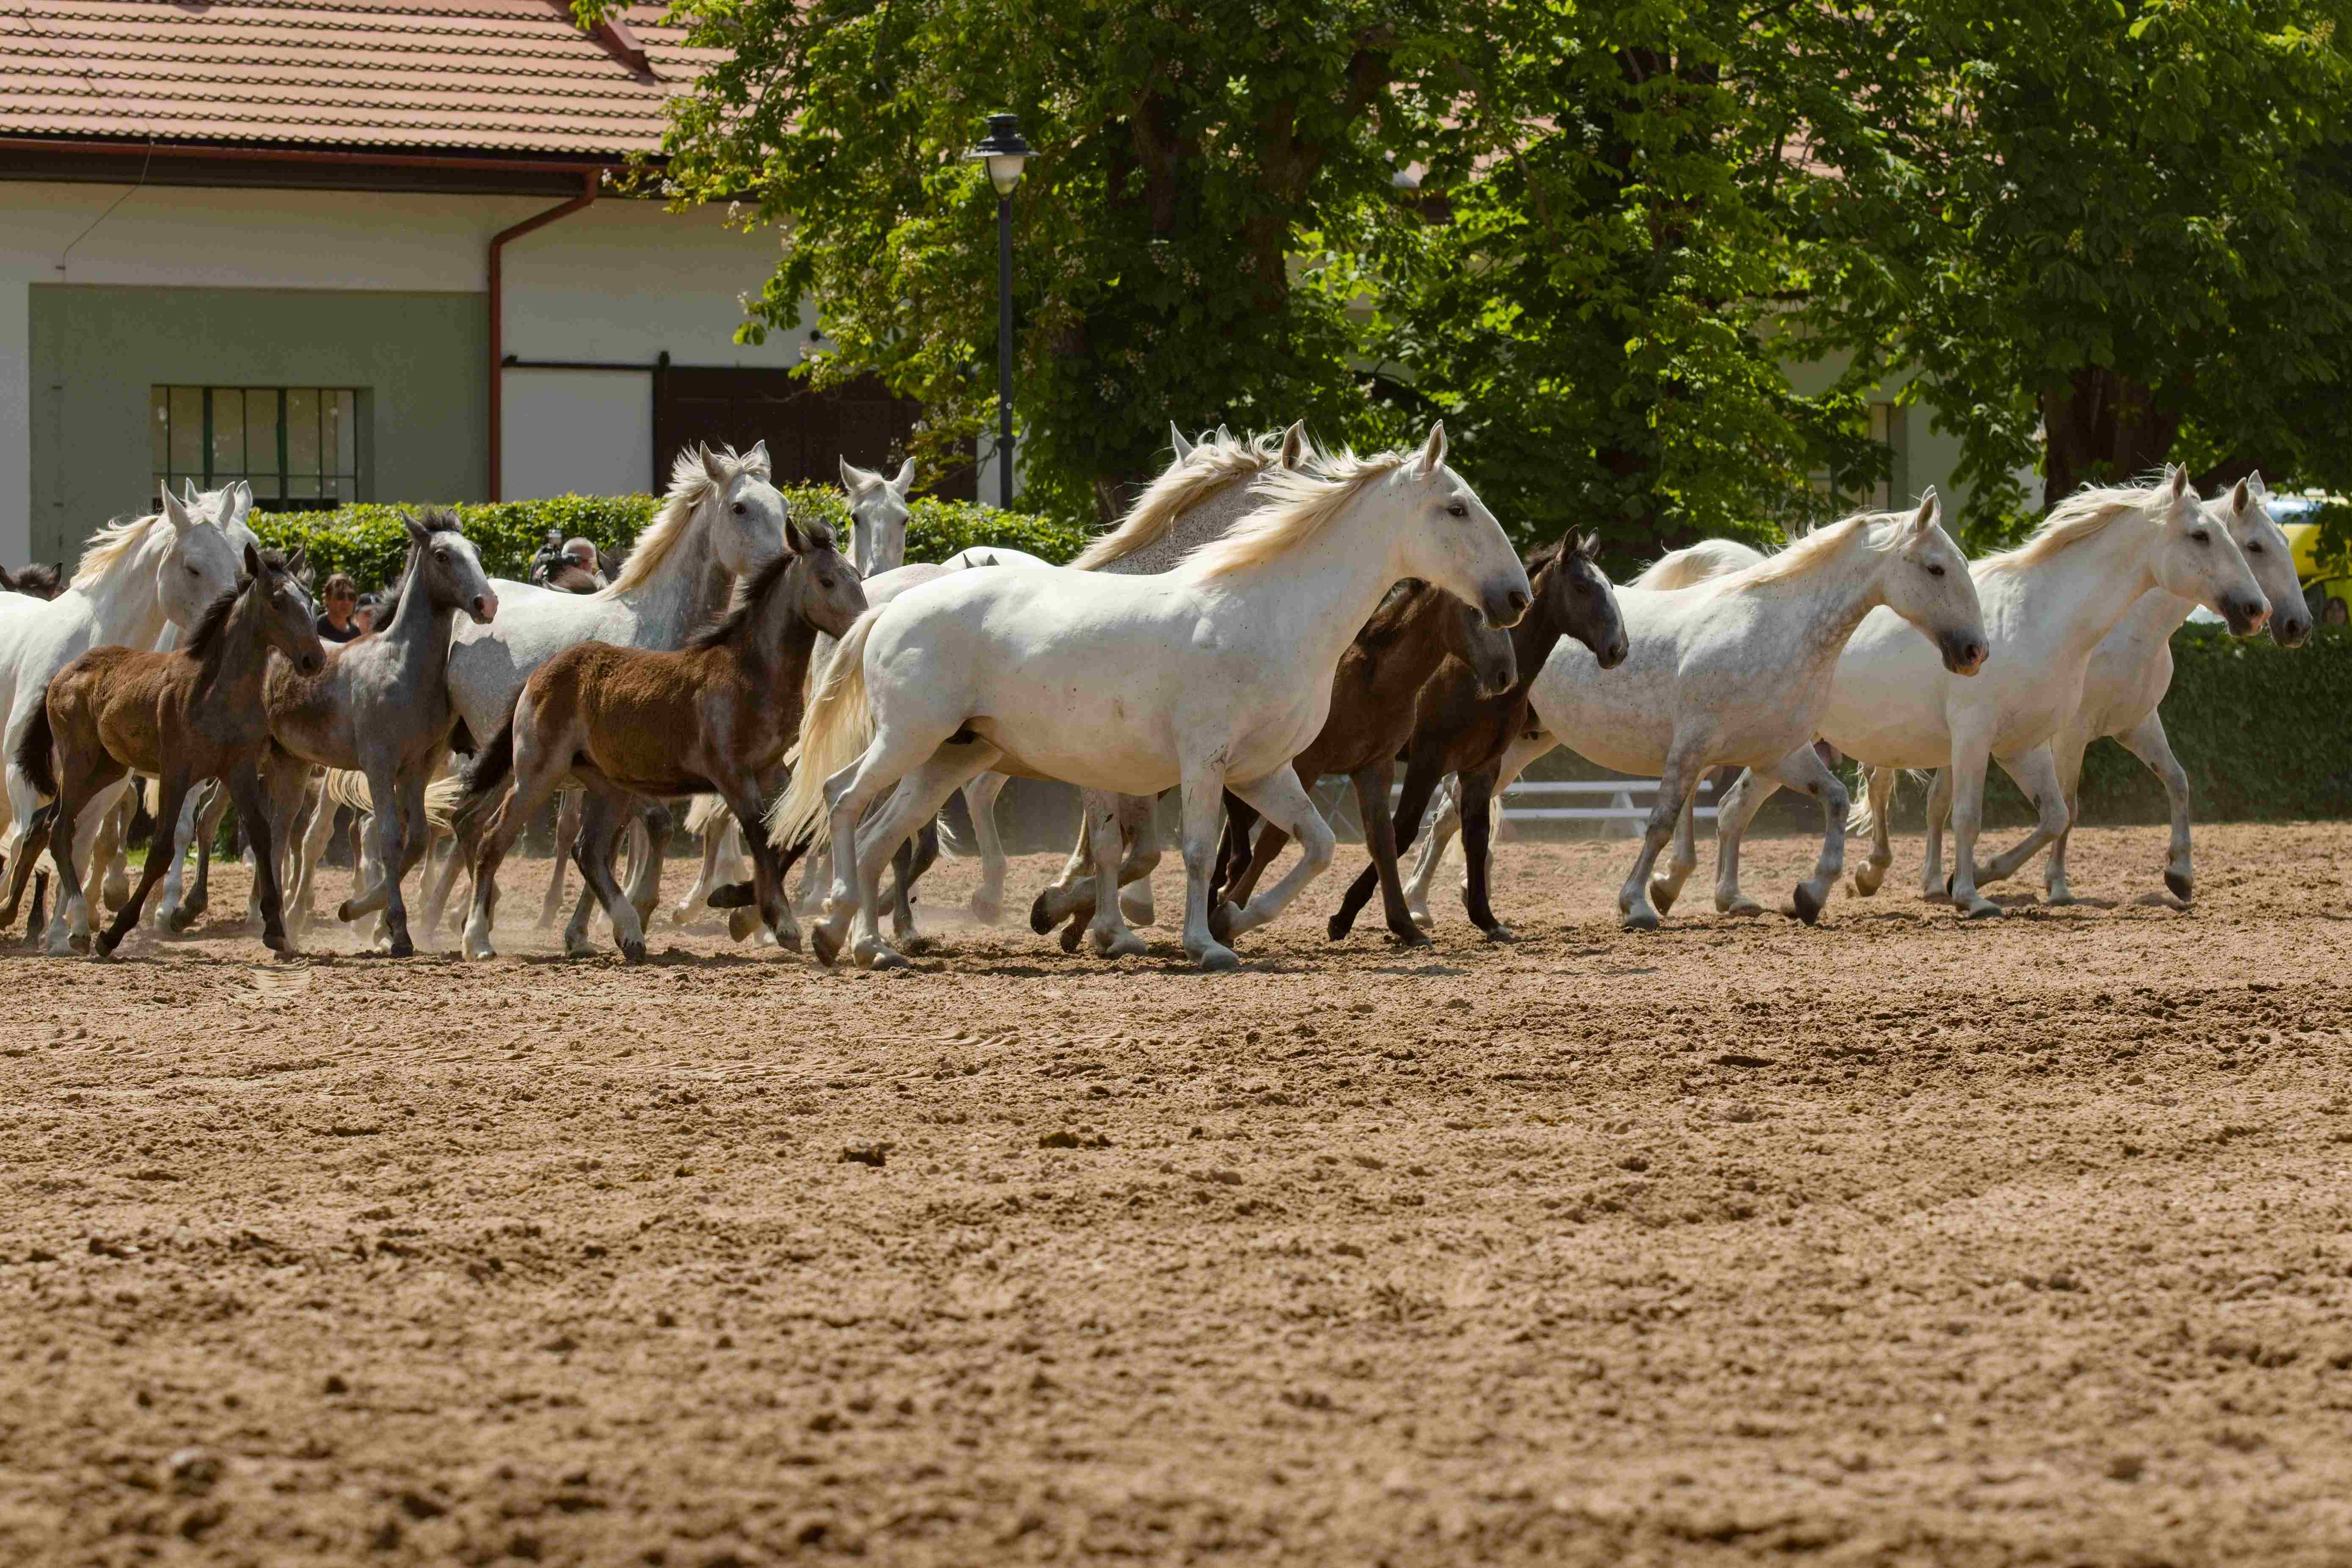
pixel 1902 1239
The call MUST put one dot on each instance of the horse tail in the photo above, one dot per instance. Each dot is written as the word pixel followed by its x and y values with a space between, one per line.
pixel 441 798
pixel 483 773
pixel 834 731
pixel 32 752
pixel 705 810
pixel 349 787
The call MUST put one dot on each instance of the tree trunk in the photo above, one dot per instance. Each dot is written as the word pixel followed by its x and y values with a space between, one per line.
pixel 2101 427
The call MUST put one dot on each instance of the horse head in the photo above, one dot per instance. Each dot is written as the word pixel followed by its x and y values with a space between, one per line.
pixel 1925 580
pixel 877 515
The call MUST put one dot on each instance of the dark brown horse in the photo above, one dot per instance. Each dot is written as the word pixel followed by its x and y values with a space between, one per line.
pixel 34 582
pixel 192 714
pixel 1416 630
pixel 1458 730
pixel 714 718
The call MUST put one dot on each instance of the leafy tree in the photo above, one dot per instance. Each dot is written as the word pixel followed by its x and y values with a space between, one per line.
pixel 2107 231
pixel 1190 155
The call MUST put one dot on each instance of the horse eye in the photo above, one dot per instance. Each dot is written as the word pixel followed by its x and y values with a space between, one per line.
pixel 740 509
pixel 2253 549
pixel 1457 509
pixel 2202 537
pixel 1934 570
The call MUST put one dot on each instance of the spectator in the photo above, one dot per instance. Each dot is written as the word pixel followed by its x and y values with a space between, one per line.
pixel 342 597
pixel 2335 615
pixel 363 615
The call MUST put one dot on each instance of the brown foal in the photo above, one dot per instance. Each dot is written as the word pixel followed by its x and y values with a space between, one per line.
pixel 716 716
pixel 186 716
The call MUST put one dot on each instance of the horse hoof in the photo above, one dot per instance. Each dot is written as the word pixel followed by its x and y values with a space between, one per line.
pixel 1120 943
pixel 1041 913
pixel 987 911
pixel 2184 888
pixel 1422 917
pixel 400 947
pixel 879 956
pixel 1662 895
pixel 731 896
pixel 1216 958
pixel 1135 904
pixel 2057 897
pixel 1225 921
pixel 824 945
pixel 478 951
pixel 633 952
pixel 788 938
pixel 1985 910
pixel 1640 919
pixel 741 923
pixel 1805 904
pixel 914 942
pixel 1500 933
pixel 103 948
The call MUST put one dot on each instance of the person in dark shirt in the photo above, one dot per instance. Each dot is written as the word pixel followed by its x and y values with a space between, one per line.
pixel 341 596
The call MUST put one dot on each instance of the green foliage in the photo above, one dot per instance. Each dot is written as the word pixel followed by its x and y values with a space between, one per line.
pixel 369 541
pixel 2101 229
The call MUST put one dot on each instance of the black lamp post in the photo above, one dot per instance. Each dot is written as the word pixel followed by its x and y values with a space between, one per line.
pixel 1004 152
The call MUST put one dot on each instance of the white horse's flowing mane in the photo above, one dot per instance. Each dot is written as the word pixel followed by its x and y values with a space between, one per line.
pixel 1817 548
pixel 1217 461
pixel 2086 514
pixel 690 484
pixel 1298 503
pixel 110 546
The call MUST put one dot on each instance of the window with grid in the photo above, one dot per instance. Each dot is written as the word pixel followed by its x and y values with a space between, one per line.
pixel 297 447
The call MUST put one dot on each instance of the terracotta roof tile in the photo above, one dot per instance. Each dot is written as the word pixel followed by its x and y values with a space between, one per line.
pixel 509 76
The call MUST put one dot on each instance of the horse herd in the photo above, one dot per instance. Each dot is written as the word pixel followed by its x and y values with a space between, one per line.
pixel 1266 613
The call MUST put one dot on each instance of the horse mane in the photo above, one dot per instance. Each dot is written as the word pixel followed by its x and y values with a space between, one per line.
pixel 690 484
pixel 1180 487
pixel 752 590
pixel 438 520
pixel 1299 503
pixel 110 545
pixel 1695 563
pixel 212 627
pixel 2086 514
pixel 1814 549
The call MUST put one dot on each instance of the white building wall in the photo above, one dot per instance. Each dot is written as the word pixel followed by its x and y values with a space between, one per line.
pixel 622 281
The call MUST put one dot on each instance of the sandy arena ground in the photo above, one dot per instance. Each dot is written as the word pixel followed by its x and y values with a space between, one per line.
pixel 1898 1240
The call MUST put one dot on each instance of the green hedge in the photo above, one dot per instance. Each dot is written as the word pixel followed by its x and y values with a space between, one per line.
pixel 369 541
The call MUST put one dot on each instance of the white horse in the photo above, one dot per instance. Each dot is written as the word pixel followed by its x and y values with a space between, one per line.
pixel 137 577
pixel 1210 676
pixel 879 515
pixel 2047 604
pixel 722 518
pixel 2131 671
pixel 1735 669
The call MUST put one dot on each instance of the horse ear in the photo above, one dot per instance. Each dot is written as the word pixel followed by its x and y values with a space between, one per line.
pixel 189 495
pixel 252 561
pixel 236 504
pixel 1176 439
pixel 1225 436
pixel 1293 445
pixel 714 467
pixel 417 530
pixel 7 583
pixel 795 542
pixel 1931 508
pixel 1588 546
pixel 853 478
pixel 2180 481
pixel 176 511
pixel 1433 453
pixel 298 565
pixel 904 478
pixel 2239 496
pixel 756 460
pixel 2255 487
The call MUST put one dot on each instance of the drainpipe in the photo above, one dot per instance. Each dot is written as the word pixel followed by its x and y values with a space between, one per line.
pixel 499 320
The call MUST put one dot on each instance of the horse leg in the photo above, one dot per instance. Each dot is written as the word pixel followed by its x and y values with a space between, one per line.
pixel 1478 826
pixel 174 788
pixel 245 789
pixel 567 833
pixel 914 858
pixel 1262 848
pixel 532 780
pixel 1138 820
pixel 1430 859
pixel 714 846
pixel 1678 781
pixel 70 839
pixel 980 799
pixel 1933 883
pixel 2147 741
pixel 1070 896
pixel 1733 812
pixel 1880 782
pixel 1282 799
pixel 392 834
pixel 1236 850
pixel 1203 800
pixel 650 836
pixel 1422 778
pixel 1667 885
pixel 1804 768
pixel 1972 753
pixel 921 790
pixel 108 865
pixel 1108 932
pixel 604 815
pixel 1372 786
pixel 2035 772
pixel 21 870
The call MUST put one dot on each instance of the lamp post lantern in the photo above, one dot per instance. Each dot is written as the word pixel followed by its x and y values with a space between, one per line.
pixel 1003 151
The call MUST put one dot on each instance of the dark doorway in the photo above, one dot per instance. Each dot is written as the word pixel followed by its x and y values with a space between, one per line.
pixel 808 429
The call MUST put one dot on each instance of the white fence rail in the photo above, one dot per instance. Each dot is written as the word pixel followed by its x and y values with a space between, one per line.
pixel 1626 801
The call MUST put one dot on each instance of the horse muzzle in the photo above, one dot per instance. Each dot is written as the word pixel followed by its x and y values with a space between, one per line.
pixel 1504 606
pixel 1965 656
pixel 2246 616
pixel 311 663
pixel 2289 630
pixel 1615 654
pixel 484 609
